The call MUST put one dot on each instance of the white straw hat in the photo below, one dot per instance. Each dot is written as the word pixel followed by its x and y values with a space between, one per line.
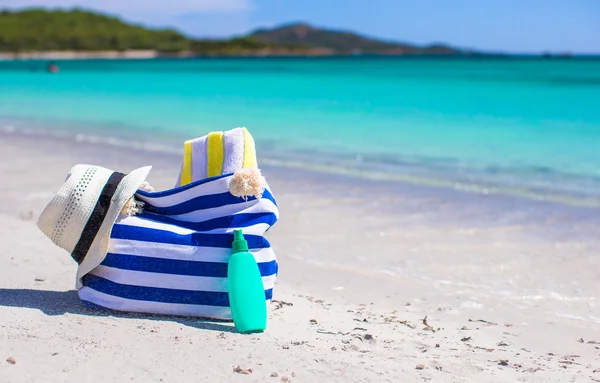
pixel 81 215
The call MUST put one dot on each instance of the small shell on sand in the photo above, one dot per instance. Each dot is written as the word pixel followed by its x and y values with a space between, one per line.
pixel 11 360
pixel 244 371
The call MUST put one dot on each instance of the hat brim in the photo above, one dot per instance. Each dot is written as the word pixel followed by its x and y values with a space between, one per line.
pixel 97 251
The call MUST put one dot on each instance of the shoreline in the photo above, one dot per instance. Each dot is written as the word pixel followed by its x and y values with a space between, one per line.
pixel 154 54
pixel 146 54
pixel 379 281
pixel 364 170
pixel 82 55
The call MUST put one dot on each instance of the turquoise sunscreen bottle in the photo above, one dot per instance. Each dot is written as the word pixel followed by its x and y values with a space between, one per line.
pixel 245 287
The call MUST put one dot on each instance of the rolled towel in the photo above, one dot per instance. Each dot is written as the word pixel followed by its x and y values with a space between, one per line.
pixel 219 153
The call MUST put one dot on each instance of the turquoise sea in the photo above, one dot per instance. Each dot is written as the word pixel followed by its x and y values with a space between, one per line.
pixel 516 125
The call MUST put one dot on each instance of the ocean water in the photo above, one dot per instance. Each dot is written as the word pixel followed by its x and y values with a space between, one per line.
pixel 522 126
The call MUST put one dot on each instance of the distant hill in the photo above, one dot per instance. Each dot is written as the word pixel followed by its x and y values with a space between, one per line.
pixel 342 42
pixel 39 29
pixel 85 32
pixel 80 30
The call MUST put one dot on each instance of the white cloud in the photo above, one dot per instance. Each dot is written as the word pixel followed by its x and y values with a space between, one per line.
pixel 145 6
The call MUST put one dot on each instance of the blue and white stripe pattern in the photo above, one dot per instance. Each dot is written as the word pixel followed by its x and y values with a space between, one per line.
pixel 172 258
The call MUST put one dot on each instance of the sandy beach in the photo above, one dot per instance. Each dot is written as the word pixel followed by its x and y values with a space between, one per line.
pixel 379 282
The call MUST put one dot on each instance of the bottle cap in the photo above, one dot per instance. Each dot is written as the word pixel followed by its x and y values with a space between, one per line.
pixel 239 243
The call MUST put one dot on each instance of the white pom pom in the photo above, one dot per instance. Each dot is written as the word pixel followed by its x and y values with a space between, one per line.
pixel 247 182
pixel 145 186
pixel 132 207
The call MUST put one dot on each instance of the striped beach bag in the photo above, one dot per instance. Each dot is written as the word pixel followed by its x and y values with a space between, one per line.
pixel 172 257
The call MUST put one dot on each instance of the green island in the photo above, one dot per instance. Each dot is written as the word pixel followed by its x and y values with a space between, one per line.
pixel 82 31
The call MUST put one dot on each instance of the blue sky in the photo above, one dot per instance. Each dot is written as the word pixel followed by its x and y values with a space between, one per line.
pixel 496 25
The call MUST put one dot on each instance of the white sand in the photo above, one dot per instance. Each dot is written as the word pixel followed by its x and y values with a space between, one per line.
pixel 355 266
